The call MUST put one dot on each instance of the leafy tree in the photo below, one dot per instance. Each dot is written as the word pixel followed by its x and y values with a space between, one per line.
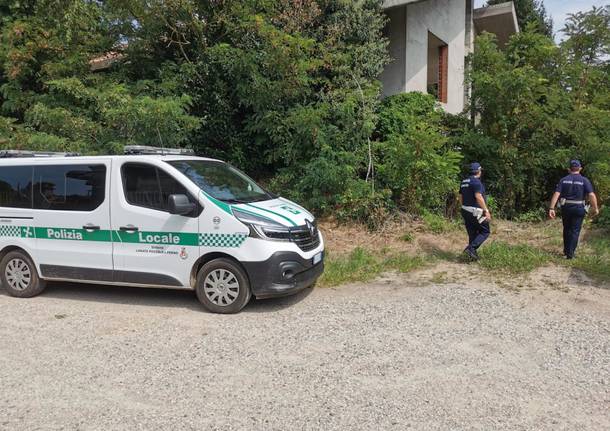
pixel 50 98
pixel 587 70
pixel 531 13
pixel 285 88
pixel 538 105
pixel 587 56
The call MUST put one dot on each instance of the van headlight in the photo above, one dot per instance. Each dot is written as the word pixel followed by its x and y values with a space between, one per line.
pixel 263 227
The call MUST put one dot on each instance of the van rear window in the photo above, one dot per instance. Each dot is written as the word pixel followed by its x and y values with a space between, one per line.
pixel 69 187
pixel 16 186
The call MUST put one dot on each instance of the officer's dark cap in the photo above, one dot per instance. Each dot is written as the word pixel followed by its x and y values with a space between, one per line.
pixel 575 164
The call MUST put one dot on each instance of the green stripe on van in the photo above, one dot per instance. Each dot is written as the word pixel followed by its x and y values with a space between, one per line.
pixel 220 204
pixel 155 238
pixel 274 213
pixel 67 234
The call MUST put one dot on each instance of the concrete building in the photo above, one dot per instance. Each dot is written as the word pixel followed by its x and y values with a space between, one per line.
pixel 429 42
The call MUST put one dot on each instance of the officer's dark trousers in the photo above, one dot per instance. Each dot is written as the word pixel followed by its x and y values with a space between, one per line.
pixel 477 232
pixel 572 217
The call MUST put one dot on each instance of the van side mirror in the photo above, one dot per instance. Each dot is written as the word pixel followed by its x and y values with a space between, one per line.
pixel 180 205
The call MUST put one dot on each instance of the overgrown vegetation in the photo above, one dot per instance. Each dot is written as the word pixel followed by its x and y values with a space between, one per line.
pixel 288 91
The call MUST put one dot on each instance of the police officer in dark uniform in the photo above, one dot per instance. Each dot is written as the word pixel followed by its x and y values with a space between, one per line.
pixel 572 193
pixel 474 210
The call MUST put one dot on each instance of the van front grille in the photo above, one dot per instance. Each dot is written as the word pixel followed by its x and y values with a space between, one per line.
pixel 305 238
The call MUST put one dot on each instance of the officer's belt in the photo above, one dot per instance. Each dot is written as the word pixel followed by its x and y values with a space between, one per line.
pixel 477 212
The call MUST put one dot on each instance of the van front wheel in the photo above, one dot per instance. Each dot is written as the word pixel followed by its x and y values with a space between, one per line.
pixel 19 276
pixel 223 287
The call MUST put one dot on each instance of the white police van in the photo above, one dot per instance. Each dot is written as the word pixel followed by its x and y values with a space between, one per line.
pixel 169 220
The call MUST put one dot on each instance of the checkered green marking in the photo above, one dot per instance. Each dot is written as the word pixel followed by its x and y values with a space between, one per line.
pixel 11 231
pixel 221 240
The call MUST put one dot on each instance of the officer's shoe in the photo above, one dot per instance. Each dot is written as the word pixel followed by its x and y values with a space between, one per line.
pixel 471 253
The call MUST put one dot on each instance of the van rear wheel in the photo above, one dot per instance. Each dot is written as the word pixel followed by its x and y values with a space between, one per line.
pixel 19 277
pixel 223 287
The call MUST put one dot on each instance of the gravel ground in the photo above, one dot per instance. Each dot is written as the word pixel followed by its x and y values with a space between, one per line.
pixel 401 353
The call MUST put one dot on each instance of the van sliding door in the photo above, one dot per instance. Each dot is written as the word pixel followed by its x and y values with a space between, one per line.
pixel 71 203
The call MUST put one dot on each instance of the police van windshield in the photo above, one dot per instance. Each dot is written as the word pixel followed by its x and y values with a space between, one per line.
pixel 222 181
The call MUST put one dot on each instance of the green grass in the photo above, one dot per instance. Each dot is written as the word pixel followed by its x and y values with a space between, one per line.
pixel 403 263
pixel 361 265
pixel 594 257
pixel 516 259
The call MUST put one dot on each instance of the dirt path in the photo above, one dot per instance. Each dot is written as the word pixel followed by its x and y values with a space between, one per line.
pixel 436 349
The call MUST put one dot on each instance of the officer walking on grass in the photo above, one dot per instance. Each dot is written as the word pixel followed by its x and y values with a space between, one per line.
pixel 572 193
pixel 474 210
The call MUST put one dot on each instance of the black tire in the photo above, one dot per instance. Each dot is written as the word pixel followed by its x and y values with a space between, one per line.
pixel 223 286
pixel 19 276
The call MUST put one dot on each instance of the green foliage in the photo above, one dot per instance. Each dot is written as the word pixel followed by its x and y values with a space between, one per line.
pixel 359 203
pixel 288 91
pixel 532 216
pixel 539 105
pixel 55 101
pixel 604 217
pixel 414 160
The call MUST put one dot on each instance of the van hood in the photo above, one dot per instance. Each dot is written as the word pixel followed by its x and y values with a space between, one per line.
pixel 280 210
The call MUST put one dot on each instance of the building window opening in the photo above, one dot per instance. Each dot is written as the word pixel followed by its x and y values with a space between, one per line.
pixel 438 56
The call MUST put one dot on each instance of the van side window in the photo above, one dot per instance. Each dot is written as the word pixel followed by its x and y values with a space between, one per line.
pixel 149 187
pixel 16 187
pixel 69 187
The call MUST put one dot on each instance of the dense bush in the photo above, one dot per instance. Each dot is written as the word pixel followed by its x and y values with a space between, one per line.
pixel 415 161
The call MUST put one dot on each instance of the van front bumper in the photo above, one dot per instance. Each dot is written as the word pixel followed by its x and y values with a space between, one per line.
pixel 283 274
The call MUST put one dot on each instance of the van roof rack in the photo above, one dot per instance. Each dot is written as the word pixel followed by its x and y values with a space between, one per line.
pixel 146 150
pixel 5 154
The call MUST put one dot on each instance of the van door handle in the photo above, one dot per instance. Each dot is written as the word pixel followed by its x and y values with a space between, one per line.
pixel 129 228
pixel 90 228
